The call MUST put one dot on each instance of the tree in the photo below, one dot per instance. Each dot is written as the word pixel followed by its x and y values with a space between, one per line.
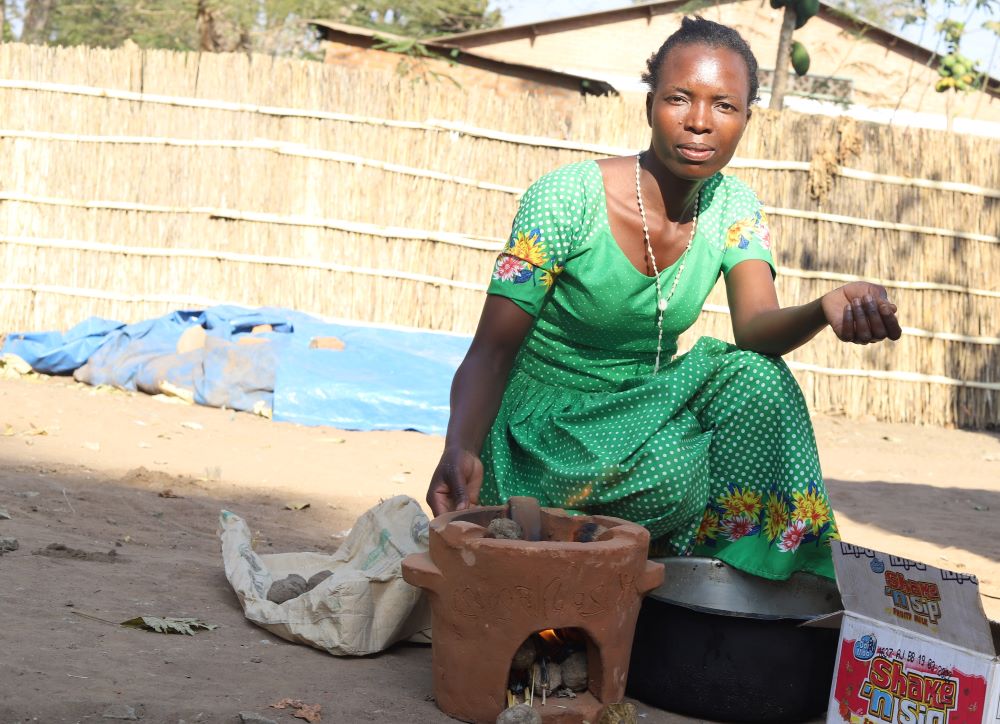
pixel 797 14
pixel 424 18
pixel 957 72
pixel 994 27
pixel 91 22
pixel 881 12
pixel 270 26
pixel 36 20
pixel 878 12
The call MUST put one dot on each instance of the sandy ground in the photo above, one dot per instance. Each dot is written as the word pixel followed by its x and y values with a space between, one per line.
pixel 85 468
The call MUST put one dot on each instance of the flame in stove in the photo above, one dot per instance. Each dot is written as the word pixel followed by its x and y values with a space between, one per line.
pixel 550 636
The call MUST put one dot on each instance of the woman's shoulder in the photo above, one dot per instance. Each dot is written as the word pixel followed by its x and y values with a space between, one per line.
pixel 735 191
pixel 572 180
pixel 564 196
pixel 732 198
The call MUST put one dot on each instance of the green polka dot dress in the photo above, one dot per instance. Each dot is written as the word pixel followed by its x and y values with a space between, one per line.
pixel 714 453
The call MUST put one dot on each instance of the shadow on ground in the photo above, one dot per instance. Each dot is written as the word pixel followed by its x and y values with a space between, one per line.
pixel 58 666
pixel 62 666
pixel 964 518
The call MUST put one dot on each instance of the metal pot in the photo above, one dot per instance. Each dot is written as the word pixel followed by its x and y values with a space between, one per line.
pixel 715 643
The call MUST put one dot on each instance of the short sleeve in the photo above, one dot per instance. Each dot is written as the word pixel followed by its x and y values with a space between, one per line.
pixel 748 237
pixel 545 229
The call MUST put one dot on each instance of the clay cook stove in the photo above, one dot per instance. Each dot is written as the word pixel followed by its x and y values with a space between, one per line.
pixel 488 595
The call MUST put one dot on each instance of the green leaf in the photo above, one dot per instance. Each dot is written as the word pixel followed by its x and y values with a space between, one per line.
pixel 952 30
pixel 186 626
pixel 394 45
pixel 271 26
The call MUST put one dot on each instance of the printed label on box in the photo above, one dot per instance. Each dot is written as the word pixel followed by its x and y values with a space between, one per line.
pixel 914 596
pixel 883 676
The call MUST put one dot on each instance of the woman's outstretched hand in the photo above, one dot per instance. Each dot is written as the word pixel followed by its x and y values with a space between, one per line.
pixel 861 313
pixel 456 481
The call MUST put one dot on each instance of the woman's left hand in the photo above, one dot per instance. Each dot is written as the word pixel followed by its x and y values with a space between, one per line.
pixel 861 313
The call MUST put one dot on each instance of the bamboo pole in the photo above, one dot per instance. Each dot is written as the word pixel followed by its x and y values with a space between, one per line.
pixel 451 238
pixel 463 129
pixel 179 253
pixel 910 331
pixel 202 301
pixel 357 227
pixel 189 253
pixel 878 224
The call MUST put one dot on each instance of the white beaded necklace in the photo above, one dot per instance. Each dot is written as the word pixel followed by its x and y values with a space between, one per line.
pixel 662 302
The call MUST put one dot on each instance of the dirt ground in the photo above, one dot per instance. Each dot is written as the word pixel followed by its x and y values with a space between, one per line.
pixel 85 468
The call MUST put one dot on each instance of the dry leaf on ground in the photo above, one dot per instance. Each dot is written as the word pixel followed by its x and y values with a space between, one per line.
pixel 297 506
pixel 309 712
pixel 186 626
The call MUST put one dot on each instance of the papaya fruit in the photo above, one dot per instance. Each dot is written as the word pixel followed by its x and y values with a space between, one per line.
pixel 805 9
pixel 800 58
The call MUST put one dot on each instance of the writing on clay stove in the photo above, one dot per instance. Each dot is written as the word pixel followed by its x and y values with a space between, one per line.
pixel 543 599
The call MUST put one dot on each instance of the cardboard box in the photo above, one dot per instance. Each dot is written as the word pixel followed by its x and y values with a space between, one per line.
pixel 915 645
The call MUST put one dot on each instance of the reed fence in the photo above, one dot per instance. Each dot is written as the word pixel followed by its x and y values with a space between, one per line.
pixel 141 181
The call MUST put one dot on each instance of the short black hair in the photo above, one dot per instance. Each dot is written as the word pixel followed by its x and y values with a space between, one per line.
pixel 699 31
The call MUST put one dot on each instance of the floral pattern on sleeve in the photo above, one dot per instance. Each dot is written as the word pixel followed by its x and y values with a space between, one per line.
pixel 748 230
pixel 524 259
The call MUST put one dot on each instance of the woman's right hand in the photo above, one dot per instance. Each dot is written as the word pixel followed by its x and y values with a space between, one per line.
pixel 456 482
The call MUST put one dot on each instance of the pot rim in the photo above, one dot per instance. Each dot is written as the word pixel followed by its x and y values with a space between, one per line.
pixel 708 585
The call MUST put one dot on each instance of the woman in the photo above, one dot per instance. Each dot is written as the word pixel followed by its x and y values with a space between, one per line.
pixel 568 392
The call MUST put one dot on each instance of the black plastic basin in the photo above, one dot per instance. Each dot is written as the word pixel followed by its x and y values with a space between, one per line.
pixel 715 643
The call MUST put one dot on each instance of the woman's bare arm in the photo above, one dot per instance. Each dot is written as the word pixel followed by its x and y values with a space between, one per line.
pixel 858 312
pixel 476 392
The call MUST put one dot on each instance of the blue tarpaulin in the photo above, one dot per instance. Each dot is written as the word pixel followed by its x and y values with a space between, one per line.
pixel 382 379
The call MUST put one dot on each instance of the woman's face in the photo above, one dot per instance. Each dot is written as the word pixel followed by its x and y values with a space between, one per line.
pixel 699 110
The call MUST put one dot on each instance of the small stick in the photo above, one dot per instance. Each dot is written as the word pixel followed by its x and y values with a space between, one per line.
pixel 68 503
pixel 532 702
pixel 102 620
